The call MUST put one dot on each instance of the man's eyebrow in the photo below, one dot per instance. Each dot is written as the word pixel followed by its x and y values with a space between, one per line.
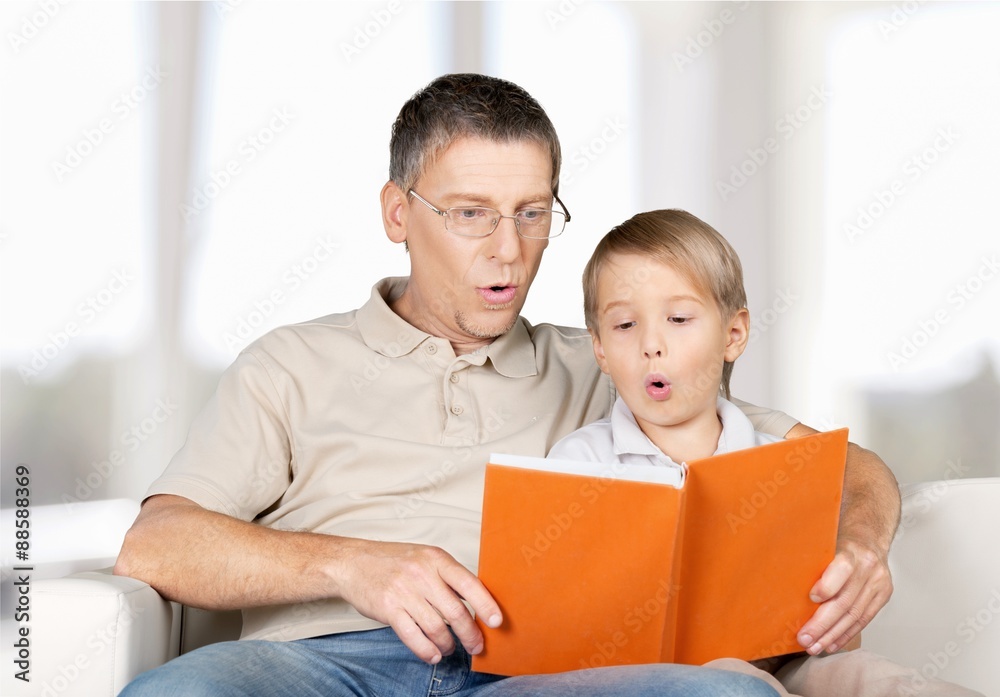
pixel 487 202
pixel 478 199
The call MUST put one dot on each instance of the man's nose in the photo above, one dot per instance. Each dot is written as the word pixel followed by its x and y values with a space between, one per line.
pixel 505 242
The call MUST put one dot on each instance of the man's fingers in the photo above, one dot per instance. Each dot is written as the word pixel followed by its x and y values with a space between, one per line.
pixel 852 590
pixel 415 639
pixel 832 582
pixel 470 588
pixel 420 620
pixel 835 619
pixel 833 579
pixel 475 594
pixel 872 599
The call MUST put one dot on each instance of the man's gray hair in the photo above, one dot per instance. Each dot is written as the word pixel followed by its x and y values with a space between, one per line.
pixel 466 105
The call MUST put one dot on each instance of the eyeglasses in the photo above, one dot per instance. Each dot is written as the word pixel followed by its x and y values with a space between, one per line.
pixel 476 221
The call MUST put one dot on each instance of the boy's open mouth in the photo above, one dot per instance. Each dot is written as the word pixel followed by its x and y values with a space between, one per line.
pixel 657 386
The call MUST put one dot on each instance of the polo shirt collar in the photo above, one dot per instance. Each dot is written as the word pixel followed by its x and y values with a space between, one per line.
pixel 737 431
pixel 628 437
pixel 512 355
pixel 381 328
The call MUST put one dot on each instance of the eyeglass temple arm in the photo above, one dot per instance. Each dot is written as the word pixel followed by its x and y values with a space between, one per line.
pixel 565 209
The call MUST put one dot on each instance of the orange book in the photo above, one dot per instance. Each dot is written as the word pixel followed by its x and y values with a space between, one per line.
pixel 595 564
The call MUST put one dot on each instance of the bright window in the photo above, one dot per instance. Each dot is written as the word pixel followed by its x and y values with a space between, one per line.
pixel 283 214
pixel 75 277
pixel 912 287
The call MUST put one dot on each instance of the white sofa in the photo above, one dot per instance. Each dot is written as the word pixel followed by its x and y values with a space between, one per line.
pixel 944 615
pixel 93 632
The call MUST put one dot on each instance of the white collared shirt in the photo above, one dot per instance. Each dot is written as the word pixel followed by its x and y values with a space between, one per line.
pixel 618 439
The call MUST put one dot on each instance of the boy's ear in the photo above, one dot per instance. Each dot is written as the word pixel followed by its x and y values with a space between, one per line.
pixel 395 208
pixel 602 362
pixel 738 334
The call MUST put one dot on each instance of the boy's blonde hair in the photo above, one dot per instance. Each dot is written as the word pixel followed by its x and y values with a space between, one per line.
pixel 682 241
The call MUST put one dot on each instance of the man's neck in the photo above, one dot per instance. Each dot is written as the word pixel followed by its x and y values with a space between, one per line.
pixel 461 343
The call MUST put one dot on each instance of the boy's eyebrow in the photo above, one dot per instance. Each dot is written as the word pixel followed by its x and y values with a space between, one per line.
pixel 672 298
pixel 613 304
pixel 693 298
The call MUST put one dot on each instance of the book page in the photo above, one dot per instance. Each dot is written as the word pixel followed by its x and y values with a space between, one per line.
pixel 670 476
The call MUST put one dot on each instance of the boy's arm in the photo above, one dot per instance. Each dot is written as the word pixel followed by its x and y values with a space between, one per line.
pixel 856 584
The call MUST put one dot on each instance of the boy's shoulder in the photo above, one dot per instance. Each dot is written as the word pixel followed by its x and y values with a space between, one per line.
pixel 738 431
pixel 592 443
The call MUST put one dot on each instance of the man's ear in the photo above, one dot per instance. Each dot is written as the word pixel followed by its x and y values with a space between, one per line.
pixel 395 208
pixel 738 334
pixel 602 362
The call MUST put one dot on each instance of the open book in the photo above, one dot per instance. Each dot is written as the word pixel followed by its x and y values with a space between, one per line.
pixel 596 564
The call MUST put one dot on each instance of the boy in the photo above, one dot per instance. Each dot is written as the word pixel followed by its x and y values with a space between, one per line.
pixel 666 309
pixel 665 306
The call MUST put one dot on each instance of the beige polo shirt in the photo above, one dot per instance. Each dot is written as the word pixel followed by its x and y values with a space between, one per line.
pixel 358 424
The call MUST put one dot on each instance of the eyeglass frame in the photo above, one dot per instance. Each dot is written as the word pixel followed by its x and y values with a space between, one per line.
pixel 500 216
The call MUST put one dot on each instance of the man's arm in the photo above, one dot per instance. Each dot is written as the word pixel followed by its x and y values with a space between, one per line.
pixel 856 584
pixel 210 560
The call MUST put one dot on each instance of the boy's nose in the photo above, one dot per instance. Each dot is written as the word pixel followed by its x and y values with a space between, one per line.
pixel 653 345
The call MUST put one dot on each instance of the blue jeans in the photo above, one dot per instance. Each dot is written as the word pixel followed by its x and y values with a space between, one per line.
pixel 376 663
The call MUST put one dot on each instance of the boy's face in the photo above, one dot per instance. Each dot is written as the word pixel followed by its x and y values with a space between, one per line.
pixel 663 342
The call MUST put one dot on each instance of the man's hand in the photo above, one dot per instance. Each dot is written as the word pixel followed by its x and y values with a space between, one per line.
pixel 856 584
pixel 854 587
pixel 418 591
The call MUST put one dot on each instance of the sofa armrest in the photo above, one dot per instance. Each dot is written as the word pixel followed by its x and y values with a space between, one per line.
pixel 943 616
pixel 93 632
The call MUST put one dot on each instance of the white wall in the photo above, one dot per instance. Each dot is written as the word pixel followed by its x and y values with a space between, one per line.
pixel 656 104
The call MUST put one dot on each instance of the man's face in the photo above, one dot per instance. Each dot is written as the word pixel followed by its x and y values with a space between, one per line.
pixel 471 290
pixel 663 342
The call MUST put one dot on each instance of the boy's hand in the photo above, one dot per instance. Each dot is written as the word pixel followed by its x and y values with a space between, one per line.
pixel 854 587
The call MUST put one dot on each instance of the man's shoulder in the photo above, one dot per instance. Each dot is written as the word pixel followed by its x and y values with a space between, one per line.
pixel 555 331
pixel 372 322
pixel 561 349
pixel 312 335
pixel 565 341
pixel 338 322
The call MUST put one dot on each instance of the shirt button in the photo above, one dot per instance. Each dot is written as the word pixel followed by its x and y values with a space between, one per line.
pixel 431 349
pixel 457 410
pixel 454 377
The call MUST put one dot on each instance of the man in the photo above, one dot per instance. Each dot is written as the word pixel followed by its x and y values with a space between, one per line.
pixel 331 488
